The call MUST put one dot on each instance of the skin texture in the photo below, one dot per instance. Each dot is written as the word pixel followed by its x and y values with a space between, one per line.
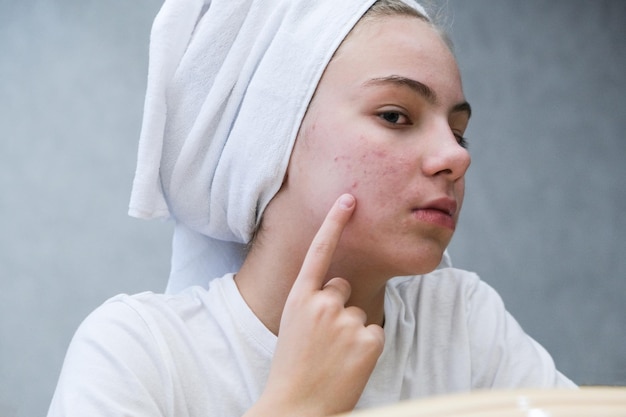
pixel 384 132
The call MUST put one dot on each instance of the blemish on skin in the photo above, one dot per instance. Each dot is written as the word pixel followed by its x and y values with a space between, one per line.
pixel 390 170
pixel 341 158
pixel 376 153
pixel 355 184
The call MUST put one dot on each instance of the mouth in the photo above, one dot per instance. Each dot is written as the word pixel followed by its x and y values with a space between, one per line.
pixel 440 212
pixel 445 205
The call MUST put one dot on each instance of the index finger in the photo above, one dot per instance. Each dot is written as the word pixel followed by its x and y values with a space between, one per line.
pixel 317 260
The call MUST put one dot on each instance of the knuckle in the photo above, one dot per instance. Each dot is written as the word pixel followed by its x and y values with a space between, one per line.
pixel 341 284
pixel 377 340
pixel 326 303
pixel 357 315
pixel 324 307
pixel 371 346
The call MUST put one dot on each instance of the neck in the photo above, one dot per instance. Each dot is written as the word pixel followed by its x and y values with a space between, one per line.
pixel 271 268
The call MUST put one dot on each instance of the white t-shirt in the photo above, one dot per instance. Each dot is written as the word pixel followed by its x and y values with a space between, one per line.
pixel 204 353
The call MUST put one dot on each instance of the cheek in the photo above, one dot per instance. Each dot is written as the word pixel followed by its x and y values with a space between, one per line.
pixel 372 172
pixel 459 189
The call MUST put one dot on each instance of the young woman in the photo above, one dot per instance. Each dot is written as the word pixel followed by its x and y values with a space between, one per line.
pixel 312 155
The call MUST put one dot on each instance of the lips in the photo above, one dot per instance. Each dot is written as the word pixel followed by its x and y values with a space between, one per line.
pixel 446 205
pixel 439 212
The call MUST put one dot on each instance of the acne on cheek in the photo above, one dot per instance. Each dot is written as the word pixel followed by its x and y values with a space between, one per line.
pixel 345 165
pixel 379 163
pixel 372 166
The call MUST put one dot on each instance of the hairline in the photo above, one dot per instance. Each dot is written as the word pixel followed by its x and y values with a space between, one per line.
pixel 381 9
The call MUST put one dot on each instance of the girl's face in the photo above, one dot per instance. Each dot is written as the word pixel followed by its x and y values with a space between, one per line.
pixel 385 125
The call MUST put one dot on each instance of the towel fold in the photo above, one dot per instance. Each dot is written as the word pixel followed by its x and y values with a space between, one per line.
pixel 229 82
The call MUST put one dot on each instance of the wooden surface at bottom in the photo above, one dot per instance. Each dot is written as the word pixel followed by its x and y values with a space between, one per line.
pixel 583 402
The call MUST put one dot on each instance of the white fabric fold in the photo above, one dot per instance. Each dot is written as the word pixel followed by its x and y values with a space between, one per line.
pixel 229 82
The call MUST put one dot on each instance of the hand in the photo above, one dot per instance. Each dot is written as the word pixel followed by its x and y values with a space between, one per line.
pixel 325 353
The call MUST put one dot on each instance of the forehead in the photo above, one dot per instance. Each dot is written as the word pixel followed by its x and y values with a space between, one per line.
pixel 396 45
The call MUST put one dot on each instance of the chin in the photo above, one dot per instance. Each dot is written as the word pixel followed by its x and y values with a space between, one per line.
pixel 423 263
pixel 426 268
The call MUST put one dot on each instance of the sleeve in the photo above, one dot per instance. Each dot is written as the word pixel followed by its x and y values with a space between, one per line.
pixel 503 355
pixel 112 368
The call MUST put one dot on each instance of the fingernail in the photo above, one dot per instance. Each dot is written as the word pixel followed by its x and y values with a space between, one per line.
pixel 346 201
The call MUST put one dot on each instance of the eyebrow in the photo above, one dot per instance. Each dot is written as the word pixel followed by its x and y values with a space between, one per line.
pixel 421 89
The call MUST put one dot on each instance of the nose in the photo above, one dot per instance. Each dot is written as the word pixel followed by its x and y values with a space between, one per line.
pixel 445 156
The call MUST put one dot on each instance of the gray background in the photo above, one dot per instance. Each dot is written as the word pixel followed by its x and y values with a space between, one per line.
pixel 543 221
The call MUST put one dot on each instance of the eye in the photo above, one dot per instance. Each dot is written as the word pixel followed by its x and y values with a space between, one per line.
pixel 394 117
pixel 461 140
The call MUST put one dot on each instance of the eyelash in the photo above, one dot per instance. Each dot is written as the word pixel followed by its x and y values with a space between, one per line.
pixel 399 115
pixel 462 141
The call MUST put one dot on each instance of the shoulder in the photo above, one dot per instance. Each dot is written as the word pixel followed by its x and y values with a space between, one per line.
pixel 129 329
pixel 156 315
pixel 129 352
pixel 460 313
pixel 148 324
pixel 114 353
pixel 452 297
pixel 442 288
pixel 142 309
pixel 440 304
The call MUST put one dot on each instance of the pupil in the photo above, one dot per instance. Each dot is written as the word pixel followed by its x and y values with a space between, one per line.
pixel 391 117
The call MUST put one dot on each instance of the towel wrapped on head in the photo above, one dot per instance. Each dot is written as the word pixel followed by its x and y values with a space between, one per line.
pixel 229 82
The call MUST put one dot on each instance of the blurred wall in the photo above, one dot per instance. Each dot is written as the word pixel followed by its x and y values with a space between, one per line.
pixel 72 78
pixel 543 220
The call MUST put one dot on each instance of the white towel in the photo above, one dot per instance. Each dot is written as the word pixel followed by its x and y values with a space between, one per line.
pixel 229 82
